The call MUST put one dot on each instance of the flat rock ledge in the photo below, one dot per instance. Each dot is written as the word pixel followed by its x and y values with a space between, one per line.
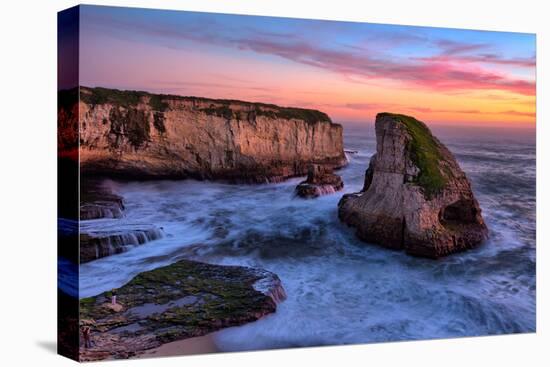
pixel 320 181
pixel 183 300
pixel 97 200
pixel 97 244
pixel 416 197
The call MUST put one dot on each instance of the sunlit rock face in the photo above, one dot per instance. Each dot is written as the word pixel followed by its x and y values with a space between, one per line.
pixel 137 134
pixel 416 197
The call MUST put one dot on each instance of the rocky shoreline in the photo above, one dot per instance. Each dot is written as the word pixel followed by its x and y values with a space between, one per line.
pixel 183 300
pixel 415 198
pixel 99 201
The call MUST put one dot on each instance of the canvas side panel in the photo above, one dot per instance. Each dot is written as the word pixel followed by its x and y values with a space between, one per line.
pixel 67 182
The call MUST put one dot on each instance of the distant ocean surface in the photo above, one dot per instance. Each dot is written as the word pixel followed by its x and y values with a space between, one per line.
pixel 341 290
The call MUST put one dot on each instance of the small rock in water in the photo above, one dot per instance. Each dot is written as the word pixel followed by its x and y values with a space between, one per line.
pixel 320 181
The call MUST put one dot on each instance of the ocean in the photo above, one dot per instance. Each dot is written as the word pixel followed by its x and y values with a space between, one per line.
pixel 341 290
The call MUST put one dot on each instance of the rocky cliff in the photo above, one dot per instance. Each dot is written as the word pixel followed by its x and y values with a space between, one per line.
pixel 415 197
pixel 140 134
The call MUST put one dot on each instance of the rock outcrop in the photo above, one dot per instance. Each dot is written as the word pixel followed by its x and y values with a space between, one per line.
pixel 179 301
pixel 415 197
pixel 138 134
pixel 97 244
pixel 99 239
pixel 97 200
pixel 320 181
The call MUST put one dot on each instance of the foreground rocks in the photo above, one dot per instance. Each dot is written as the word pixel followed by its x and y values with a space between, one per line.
pixel 139 135
pixel 415 197
pixel 179 301
pixel 99 201
pixel 97 244
pixel 320 181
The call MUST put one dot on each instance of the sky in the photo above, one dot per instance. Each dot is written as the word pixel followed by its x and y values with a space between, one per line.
pixel 349 70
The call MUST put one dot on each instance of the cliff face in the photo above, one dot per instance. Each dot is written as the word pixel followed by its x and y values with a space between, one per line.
pixel 416 197
pixel 140 134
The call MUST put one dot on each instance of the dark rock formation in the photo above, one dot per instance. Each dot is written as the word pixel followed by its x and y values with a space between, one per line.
pixel 320 181
pixel 138 134
pixel 415 196
pixel 97 200
pixel 95 245
pixel 179 301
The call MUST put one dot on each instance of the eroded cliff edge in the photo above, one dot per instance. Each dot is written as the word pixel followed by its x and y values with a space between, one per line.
pixel 415 196
pixel 138 134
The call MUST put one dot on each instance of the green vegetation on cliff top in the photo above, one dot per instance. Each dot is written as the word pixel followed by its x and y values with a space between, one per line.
pixel 426 154
pixel 220 107
pixel 130 98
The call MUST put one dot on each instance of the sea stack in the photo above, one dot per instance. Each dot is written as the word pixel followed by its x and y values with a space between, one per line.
pixel 320 181
pixel 416 197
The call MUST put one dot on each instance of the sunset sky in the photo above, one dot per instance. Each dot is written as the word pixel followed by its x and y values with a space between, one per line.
pixel 349 70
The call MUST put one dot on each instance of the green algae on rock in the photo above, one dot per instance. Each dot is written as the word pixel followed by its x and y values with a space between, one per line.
pixel 425 153
pixel 178 301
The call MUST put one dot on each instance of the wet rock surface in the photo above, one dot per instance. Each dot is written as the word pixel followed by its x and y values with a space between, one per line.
pixel 182 300
pixel 97 200
pixel 98 244
pixel 320 181
pixel 415 198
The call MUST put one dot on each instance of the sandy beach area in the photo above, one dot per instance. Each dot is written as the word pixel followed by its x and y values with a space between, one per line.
pixel 199 345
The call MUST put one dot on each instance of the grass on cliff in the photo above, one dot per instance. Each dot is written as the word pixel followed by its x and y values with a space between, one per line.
pixel 130 98
pixel 309 116
pixel 270 111
pixel 219 107
pixel 426 154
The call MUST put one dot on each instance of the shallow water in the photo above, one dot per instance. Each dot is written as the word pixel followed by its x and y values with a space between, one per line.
pixel 340 290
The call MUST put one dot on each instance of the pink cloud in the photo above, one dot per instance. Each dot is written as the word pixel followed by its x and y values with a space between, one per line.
pixel 440 76
pixel 451 71
pixel 483 58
